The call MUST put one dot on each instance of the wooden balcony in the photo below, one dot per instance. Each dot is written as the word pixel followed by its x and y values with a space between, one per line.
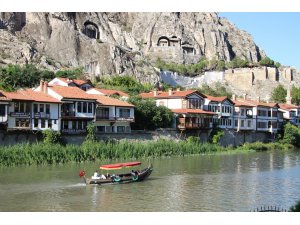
pixel 105 118
pixel 66 115
pixel 194 123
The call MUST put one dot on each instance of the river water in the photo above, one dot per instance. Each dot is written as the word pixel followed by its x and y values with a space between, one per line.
pixel 238 182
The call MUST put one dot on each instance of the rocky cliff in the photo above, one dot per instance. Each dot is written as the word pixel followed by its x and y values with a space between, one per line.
pixel 120 43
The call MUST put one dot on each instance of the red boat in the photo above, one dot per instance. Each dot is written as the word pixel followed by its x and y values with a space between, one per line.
pixel 133 176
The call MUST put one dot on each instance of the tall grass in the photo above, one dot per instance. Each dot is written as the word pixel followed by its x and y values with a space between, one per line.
pixel 41 153
pixel 47 153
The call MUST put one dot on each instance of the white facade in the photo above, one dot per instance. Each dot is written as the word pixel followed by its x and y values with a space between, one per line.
pixel 224 110
pixel 114 119
pixel 45 116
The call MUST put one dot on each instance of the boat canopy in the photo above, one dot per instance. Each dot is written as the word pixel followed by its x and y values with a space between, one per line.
pixel 119 165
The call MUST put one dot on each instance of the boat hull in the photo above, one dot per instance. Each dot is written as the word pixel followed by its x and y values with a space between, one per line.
pixel 122 178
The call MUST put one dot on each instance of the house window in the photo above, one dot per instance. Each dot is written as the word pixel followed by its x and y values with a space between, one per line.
pixel 35 122
pixel 54 121
pixel 50 124
pixel 101 129
pixel 242 123
pixel 22 122
pixel 74 124
pixel 2 110
pixel 41 107
pixel 235 123
pixel 242 112
pixel 79 107
pixel 80 125
pixel 102 112
pixel 124 113
pixel 47 108
pixel 90 107
pixel 194 103
pixel 66 125
pixel 84 108
pixel 43 123
pixel 249 123
pixel 35 108
pixel 121 129
pixel 84 124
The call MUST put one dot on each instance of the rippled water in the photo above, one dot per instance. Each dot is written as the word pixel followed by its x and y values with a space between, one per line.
pixel 227 182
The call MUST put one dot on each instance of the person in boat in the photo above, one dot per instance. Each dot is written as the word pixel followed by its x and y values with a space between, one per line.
pixel 95 175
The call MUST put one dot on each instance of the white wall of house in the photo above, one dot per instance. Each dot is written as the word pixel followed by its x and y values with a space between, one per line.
pixel 94 91
pixel 45 123
pixel 170 103
pixel 59 82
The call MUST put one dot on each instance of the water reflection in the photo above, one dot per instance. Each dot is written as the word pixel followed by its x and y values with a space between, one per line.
pixel 227 182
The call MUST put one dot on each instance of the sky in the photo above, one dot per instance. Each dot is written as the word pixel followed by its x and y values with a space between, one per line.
pixel 277 33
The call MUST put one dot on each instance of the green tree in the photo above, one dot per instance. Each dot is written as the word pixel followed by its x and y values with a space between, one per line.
pixel 149 116
pixel 291 135
pixel 279 94
pixel 90 129
pixel 13 77
pixel 72 74
pixel 266 62
pixel 295 94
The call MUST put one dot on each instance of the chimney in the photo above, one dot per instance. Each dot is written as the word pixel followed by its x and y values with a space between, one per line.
pixel 46 87
pixel 258 99
pixel 288 96
pixel 170 91
pixel 234 97
pixel 245 96
pixel 178 89
pixel 155 92
pixel 41 86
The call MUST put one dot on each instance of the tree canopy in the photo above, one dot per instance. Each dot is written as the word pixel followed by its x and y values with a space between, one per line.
pixel 279 94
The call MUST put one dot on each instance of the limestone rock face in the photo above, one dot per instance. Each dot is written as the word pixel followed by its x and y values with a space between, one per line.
pixel 120 43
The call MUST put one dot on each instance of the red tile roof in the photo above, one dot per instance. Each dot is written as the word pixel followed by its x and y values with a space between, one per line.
pixel 218 99
pixel 76 81
pixel 17 95
pixel 111 92
pixel 39 96
pixel 192 111
pixel 241 103
pixel 105 100
pixel 288 107
pixel 3 98
pixel 165 94
pixel 71 92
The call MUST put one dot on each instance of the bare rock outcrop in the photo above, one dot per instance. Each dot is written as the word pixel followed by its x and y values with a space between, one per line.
pixel 120 43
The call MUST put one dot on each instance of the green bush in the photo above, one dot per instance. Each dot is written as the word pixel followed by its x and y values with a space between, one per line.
pixel 295 208
pixel 215 135
pixel 291 135
pixel 51 137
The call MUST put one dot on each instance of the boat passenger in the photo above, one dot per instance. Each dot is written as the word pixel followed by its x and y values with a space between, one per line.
pixel 102 176
pixel 95 176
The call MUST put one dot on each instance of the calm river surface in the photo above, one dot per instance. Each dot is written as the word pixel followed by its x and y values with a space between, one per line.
pixel 223 182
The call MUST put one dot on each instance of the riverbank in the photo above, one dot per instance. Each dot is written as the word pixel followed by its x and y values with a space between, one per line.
pixel 41 153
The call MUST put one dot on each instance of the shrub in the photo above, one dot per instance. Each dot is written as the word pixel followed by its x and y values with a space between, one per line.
pixel 291 135
pixel 51 137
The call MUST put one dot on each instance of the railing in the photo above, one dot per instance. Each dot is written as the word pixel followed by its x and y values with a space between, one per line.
pixel 125 118
pixel 105 118
pixel 41 115
pixel 20 114
pixel 73 131
pixel 68 114
pixel 193 126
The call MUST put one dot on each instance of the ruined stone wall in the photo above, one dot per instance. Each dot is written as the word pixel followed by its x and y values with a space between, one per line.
pixel 241 80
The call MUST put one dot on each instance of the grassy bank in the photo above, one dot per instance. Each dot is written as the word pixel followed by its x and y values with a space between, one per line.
pixel 41 153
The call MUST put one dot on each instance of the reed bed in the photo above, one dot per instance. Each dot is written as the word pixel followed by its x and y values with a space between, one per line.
pixel 42 154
